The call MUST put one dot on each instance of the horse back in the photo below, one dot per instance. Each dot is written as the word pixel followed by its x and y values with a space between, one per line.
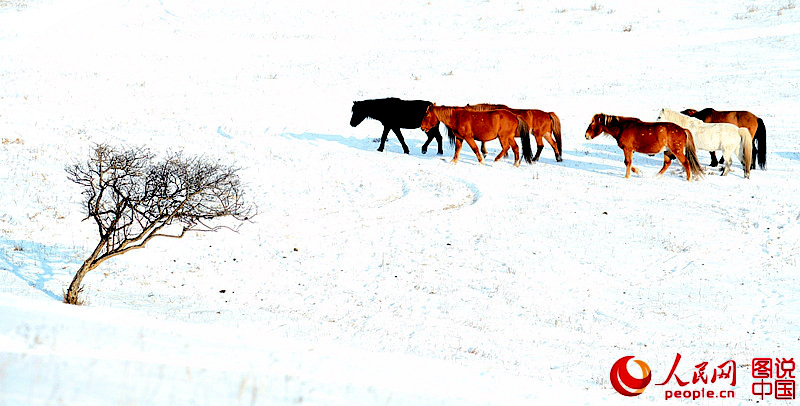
pixel 538 120
pixel 747 120
pixel 739 118
pixel 396 113
pixel 651 137
pixel 484 125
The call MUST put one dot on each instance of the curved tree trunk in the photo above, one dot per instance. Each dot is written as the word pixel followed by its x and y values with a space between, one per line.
pixel 75 288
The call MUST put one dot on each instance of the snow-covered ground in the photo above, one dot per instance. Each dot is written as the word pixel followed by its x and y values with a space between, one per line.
pixel 384 278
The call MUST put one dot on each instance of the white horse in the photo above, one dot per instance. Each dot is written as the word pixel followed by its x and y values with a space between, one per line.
pixel 716 136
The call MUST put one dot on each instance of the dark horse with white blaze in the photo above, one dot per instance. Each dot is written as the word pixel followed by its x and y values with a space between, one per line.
pixel 395 114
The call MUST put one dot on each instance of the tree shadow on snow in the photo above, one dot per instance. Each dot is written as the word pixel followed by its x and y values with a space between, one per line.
pixel 42 267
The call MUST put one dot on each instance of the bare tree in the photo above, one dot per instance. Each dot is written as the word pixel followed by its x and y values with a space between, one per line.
pixel 133 198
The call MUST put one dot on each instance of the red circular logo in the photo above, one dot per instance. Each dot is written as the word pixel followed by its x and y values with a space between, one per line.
pixel 624 382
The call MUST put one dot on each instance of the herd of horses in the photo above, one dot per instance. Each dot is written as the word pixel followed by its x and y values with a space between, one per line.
pixel 677 135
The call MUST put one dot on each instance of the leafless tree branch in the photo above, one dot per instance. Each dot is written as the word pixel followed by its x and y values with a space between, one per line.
pixel 132 198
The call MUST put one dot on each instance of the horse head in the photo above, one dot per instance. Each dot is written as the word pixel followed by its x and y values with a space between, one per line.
pixel 596 127
pixel 359 113
pixel 430 120
pixel 662 115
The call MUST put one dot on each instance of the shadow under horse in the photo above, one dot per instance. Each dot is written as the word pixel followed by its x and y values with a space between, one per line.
pixel 395 114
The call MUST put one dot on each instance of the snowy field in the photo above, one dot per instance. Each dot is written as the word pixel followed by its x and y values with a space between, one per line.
pixel 383 278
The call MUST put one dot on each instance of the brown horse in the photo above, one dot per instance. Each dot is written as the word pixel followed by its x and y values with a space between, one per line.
pixel 467 125
pixel 634 135
pixel 744 119
pixel 542 124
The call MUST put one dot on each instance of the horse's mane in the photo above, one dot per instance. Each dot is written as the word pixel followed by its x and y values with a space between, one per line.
pixel 485 107
pixel 702 114
pixel 681 119
pixel 443 113
pixel 608 119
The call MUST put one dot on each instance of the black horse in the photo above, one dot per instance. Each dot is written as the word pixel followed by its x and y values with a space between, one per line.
pixel 395 114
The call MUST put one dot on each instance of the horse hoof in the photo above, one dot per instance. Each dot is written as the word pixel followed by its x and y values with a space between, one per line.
pixel 559 159
pixel 424 151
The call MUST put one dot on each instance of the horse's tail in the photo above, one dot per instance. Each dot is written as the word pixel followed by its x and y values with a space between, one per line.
pixel 555 123
pixel 760 138
pixel 524 132
pixel 691 156
pixel 451 136
pixel 747 150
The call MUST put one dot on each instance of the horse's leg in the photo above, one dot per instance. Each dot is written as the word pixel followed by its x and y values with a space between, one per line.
pixel 433 133
pixel 503 149
pixel 628 162
pixel 458 150
pixel 539 146
pixel 727 156
pixel 746 169
pixel 714 161
pixel 507 141
pixel 428 142
pixel 438 136
pixel 684 162
pixel 667 163
pixel 475 149
pixel 400 137
pixel 549 137
pixel 515 148
pixel 486 151
pixel 726 169
pixel 383 138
